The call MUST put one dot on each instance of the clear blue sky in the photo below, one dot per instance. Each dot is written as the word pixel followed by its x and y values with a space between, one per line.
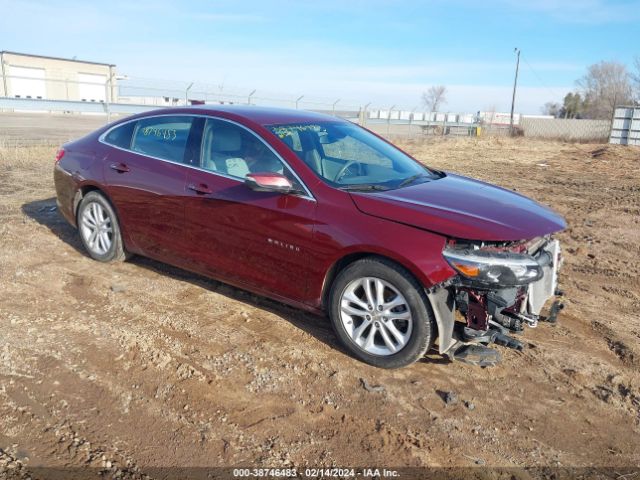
pixel 381 51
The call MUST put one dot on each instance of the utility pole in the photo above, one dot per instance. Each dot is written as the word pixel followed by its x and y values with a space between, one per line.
pixel 515 85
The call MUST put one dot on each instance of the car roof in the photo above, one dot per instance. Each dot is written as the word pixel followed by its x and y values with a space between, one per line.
pixel 253 113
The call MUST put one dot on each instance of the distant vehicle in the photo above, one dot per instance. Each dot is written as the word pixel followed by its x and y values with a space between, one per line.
pixel 322 214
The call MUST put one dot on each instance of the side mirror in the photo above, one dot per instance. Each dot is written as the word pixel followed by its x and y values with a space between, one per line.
pixel 268 182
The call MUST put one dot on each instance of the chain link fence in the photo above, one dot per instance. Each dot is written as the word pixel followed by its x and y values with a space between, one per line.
pixel 572 130
pixel 579 130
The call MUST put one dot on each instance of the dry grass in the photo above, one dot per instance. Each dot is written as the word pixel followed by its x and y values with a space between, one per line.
pixel 32 157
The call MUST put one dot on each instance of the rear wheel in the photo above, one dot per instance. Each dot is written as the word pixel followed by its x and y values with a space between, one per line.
pixel 99 229
pixel 381 314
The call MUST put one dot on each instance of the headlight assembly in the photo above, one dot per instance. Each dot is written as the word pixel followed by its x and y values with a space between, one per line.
pixel 494 269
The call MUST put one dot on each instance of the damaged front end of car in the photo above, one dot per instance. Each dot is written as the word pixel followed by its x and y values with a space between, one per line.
pixel 500 288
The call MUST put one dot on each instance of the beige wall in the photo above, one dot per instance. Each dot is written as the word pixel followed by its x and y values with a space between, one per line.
pixel 61 76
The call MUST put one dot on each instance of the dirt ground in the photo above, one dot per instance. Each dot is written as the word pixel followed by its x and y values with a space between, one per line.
pixel 128 366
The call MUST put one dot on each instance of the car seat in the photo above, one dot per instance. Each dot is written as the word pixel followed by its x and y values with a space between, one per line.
pixel 221 144
pixel 314 160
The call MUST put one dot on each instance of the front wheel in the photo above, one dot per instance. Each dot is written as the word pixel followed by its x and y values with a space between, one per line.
pixel 99 229
pixel 381 314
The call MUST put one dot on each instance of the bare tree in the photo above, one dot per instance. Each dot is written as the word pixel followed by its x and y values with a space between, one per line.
pixel 551 108
pixel 604 85
pixel 435 97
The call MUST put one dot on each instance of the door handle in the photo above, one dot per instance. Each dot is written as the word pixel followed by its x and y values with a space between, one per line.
pixel 200 189
pixel 119 167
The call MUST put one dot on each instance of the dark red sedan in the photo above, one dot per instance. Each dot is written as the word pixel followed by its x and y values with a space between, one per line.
pixel 322 214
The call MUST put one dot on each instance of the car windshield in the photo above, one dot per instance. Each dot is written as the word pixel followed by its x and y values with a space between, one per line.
pixel 347 156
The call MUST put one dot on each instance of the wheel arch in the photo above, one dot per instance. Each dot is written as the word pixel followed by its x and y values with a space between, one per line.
pixel 83 190
pixel 346 260
pixel 336 268
pixel 87 188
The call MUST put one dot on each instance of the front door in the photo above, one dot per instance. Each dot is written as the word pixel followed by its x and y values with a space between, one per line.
pixel 258 239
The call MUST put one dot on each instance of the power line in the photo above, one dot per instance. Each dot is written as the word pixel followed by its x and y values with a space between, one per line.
pixel 555 94
pixel 552 91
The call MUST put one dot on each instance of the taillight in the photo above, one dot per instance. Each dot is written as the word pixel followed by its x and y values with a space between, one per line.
pixel 59 154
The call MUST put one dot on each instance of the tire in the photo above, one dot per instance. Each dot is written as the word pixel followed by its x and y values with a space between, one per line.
pixel 411 317
pixel 106 246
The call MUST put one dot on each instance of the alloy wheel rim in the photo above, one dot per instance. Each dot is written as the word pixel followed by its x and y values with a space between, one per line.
pixel 96 228
pixel 376 316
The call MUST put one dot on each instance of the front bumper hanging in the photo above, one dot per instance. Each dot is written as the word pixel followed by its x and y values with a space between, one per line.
pixel 492 315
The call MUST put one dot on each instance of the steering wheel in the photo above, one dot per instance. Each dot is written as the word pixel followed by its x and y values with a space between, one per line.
pixel 344 169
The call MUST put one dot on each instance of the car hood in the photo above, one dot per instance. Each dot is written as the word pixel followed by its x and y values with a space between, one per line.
pixel 461 207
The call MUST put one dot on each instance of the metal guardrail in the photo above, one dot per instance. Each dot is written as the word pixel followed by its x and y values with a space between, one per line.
pixel 44 105
pixel 105 108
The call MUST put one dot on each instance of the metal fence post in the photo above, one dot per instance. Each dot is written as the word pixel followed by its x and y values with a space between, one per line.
pixel 364 114
pixel 411 118
pixel 250 95
pixel 333 107
pixel 613 119
pixel 298 100
pixel 186 94
pixel 107 90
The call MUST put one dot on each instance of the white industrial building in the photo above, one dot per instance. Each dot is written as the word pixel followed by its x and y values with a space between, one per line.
pixel 51 78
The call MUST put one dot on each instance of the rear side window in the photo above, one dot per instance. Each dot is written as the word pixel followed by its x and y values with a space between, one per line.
pixel 162 137
pixel 121 136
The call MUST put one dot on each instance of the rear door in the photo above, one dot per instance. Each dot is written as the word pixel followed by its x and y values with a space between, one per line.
pixel 146 180
pixel 258 239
